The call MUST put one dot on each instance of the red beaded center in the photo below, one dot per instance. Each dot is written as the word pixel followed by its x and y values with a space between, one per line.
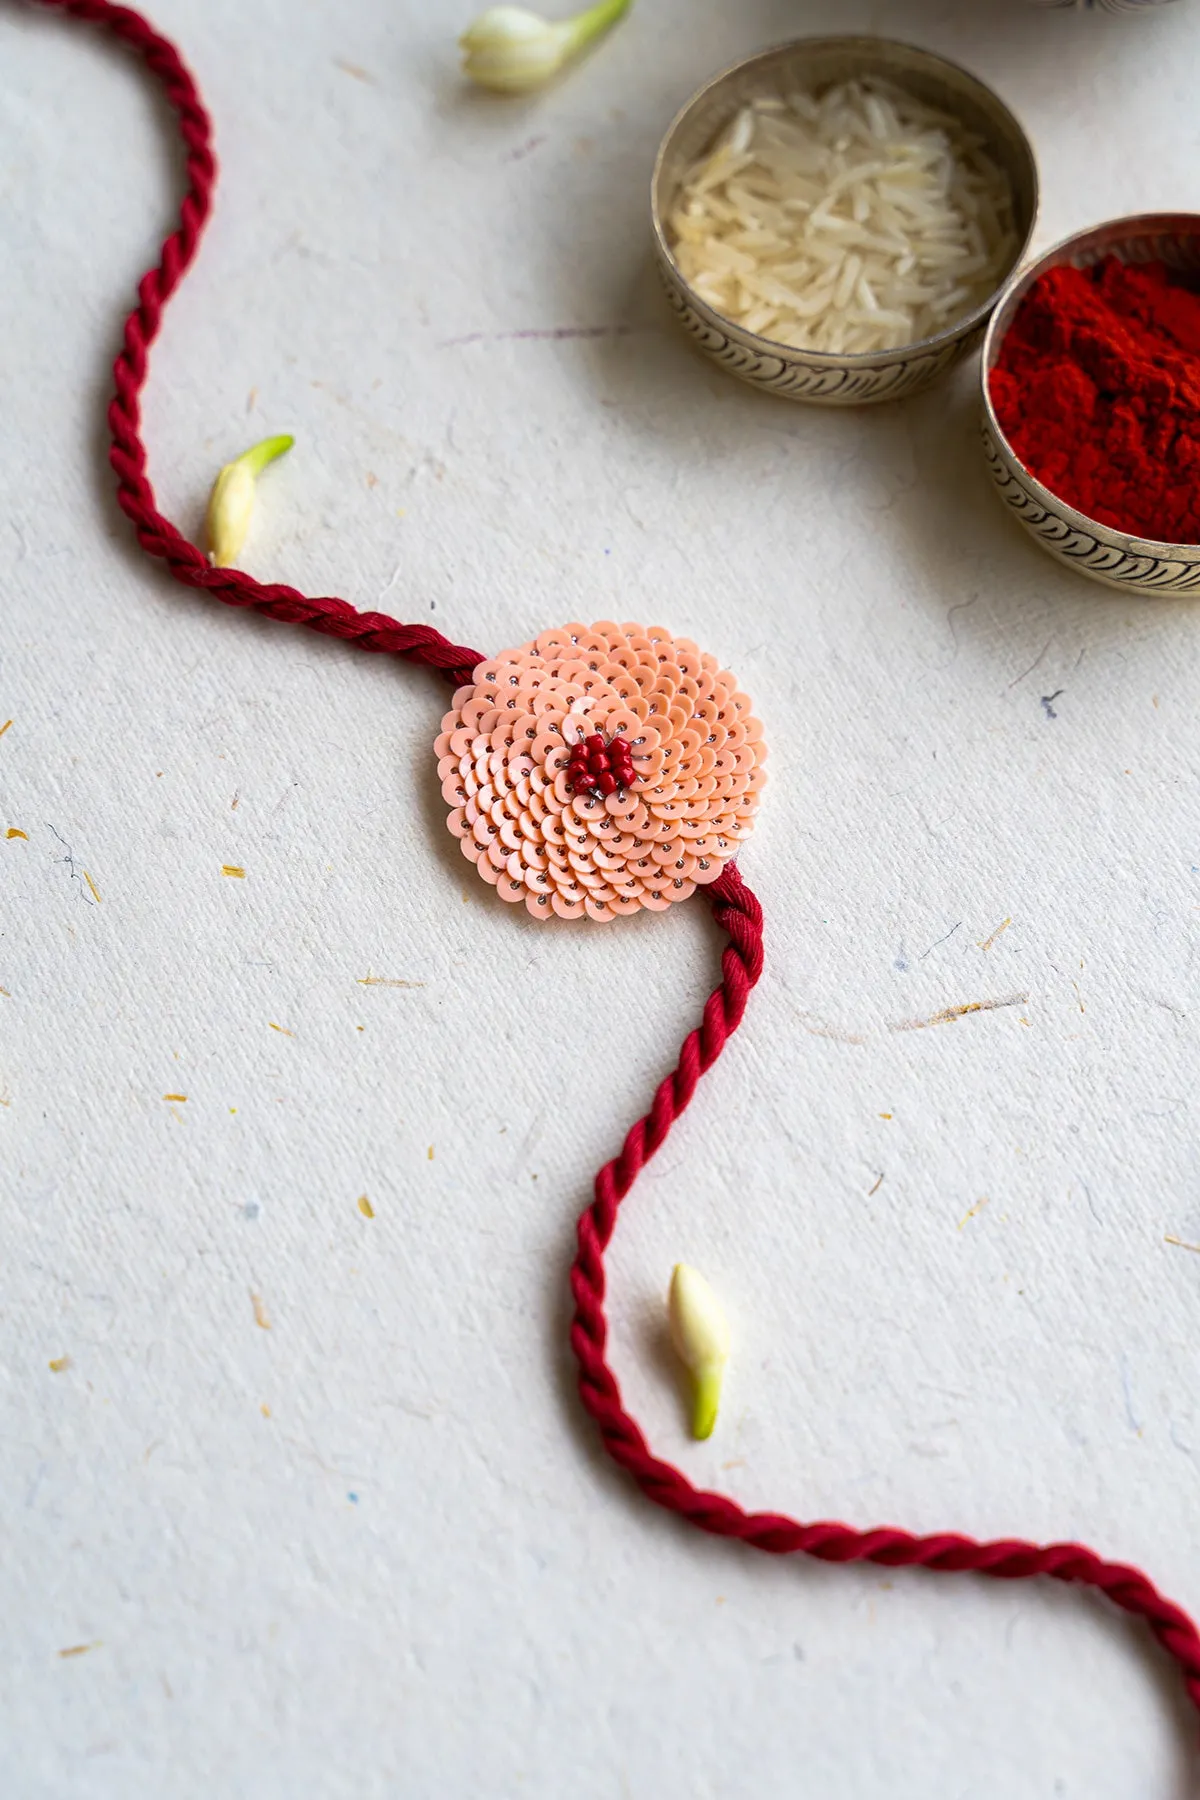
pixel 597 767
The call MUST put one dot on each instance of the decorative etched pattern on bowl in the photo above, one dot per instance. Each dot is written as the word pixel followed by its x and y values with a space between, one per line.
pixel 1110 6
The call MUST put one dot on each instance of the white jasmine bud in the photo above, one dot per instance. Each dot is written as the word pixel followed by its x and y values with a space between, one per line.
pixel 231 504
pixel 700 1334
pixel 511 49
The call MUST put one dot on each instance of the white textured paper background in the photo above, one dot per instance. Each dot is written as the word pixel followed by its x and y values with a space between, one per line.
pixel 373 1550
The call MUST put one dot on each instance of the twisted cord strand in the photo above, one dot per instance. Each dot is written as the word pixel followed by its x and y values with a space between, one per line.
pixel 739 914
pixel 735 908
pixel 135 494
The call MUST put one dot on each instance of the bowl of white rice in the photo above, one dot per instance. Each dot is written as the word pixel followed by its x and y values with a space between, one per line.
pixel 835 218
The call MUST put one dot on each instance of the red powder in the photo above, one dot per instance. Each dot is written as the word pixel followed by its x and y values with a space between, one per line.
pixel 1098 392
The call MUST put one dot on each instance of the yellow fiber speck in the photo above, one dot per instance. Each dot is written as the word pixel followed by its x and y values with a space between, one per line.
pixel 13 831
pixel 59 1363
pixel 280 1028
pixel 174 1096
pixel 365 1207
pixel 5 726
pixel 988 942
pixel 92 885
pixel 233 869
pixel 431 1152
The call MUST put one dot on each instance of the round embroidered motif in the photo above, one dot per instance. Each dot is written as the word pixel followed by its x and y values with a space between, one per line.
pixel 593 829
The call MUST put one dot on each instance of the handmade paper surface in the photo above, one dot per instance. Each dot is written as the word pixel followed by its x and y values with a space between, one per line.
pixel 297 1499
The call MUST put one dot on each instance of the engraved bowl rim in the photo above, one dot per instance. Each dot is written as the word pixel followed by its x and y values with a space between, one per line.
pixel 878 47
pixel 1114 231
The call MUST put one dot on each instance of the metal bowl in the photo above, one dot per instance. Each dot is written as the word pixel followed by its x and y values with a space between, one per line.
pixel 1084 544
pixel 815 375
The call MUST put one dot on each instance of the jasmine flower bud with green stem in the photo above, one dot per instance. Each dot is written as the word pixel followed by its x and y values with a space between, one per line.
pixel 700 1334
pixel 231 504
pixel 512 50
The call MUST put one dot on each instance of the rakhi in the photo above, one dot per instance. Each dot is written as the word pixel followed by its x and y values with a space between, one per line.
pixel 592 772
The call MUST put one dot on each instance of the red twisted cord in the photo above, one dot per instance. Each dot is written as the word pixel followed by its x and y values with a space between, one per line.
pixel 740 916
pixel 157 536
pixel 735 909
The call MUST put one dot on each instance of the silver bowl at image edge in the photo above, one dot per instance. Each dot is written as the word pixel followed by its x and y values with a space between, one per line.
pixel 819 376
pixel 1095 550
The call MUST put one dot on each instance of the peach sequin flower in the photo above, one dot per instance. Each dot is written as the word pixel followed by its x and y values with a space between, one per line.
pixel 519 804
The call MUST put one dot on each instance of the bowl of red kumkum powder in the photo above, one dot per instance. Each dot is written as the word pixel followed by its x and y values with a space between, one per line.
pixel 1091 400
